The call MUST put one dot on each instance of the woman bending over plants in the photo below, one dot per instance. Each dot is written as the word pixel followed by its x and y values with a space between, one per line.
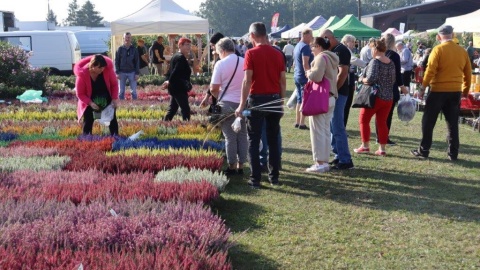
pixel 96 88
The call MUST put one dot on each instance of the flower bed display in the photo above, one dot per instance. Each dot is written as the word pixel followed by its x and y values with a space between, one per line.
pixel 69 201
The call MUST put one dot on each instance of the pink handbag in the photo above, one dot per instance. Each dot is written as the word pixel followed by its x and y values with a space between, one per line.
pixel 315 97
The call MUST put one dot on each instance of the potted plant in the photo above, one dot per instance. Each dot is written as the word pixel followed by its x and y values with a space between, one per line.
pixel 101 103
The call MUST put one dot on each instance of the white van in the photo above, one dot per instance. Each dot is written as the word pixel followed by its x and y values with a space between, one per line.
pixel 93 41
pixel 58 50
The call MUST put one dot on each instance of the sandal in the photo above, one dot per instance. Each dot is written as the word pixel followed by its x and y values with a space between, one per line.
pixel 380 153
pixel 362 150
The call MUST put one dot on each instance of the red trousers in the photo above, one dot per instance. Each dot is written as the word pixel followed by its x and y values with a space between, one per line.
pixel 381 111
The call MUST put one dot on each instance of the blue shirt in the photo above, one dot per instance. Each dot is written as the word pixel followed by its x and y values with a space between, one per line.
pixel 301 49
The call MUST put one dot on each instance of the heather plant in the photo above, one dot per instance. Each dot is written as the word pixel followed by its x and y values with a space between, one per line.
pixel 182 174
pixel 23 151
pixel 198 153
pixel 95 159
pixel 91 185
pixel 103 144
pixel 168 257
pixel 133 229
pixel 33 163
pixel 8 136
pixel 155 143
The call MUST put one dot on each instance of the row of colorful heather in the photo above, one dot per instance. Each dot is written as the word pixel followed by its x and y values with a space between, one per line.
pixel 34 130
pixel 69 201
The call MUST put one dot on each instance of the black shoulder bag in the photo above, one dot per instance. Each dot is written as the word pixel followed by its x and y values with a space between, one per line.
pixel 215 110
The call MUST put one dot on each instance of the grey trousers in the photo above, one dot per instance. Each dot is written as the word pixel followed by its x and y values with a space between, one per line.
pixel 236 144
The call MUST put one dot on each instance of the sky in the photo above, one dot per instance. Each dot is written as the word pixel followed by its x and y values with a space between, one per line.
pixel 36 10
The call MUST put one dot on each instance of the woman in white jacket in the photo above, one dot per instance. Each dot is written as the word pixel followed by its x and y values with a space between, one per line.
pixel 323 67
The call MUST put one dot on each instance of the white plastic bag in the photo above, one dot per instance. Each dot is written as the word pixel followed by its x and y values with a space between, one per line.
pixel 107 115
pixel 292 101
pixel 406 108
pixel 136 136
pixel 237 124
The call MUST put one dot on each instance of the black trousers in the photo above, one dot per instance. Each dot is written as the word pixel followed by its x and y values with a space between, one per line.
pixel 351 91
pixel 178 100
pixel 88 122
pixel 271 118
pixel 407 77
pixel 449 104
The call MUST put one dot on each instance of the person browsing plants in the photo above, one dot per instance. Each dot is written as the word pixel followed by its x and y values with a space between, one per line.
pixel 178 81
pixel 96 87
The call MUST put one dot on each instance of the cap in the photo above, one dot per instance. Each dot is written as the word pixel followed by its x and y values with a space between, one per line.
pixel 182 40
pixel 445 30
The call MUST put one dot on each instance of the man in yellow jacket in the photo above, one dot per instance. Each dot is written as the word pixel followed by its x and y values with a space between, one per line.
pixel 449 76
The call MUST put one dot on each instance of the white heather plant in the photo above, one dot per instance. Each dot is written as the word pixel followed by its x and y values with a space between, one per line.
pixel 182 174
pixel 10 164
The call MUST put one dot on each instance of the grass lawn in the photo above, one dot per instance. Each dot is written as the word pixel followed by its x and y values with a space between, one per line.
pixel 393 212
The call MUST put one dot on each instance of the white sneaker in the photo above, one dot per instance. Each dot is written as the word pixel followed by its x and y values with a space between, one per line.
pixel 319 168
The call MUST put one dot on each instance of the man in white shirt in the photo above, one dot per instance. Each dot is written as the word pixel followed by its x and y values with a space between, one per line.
pixel 288 51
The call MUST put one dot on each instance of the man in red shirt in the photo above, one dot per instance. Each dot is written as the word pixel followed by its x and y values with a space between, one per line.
pixel 263 91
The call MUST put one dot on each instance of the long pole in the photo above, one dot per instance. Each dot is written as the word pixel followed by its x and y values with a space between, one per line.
pixel 359 10
pixel 293 8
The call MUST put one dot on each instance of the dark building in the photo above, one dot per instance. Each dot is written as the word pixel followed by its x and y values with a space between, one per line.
pixel 422 16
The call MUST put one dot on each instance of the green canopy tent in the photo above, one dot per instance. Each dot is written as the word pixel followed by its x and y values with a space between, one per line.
pixel 331 21
pixel 351 25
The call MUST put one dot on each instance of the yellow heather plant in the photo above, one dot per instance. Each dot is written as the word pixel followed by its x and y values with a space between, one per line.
pixel 36 116
pixel 191 129
pixel 27 130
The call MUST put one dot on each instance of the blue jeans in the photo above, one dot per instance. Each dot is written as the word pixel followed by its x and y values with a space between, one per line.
pixel 299 84
pixel 123 81
pixel 339 133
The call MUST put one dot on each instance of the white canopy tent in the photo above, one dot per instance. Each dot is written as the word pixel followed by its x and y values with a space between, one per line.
pixel 159 17
pixel 294 32
pixel 466 23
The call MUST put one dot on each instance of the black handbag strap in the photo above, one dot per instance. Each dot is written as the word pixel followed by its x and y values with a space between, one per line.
pixel 235 71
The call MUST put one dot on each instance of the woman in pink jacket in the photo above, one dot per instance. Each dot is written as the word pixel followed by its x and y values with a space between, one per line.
pixel 95 80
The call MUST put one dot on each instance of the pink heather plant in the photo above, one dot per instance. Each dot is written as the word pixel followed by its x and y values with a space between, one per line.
pixel 91 185
pixel 23 151
pixel 85 227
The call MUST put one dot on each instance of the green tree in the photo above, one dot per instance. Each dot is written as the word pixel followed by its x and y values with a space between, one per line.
pixel 72 14
pixel 51 17
pixel 88 16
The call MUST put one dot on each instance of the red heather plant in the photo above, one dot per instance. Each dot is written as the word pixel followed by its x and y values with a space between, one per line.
pixel 102 145
pixel 87 186
pixel 23 151
pixel 169 257
pixel 92 227
pixel 125 164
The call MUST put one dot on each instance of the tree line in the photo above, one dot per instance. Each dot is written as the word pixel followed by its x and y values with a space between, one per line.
pixel 234 17
pixel 86 15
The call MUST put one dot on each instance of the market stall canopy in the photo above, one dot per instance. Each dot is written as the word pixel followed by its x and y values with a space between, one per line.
pixel 278 34
pixel 331 21
pixel 316 23
pixel 392 31
pixel 160 17
pixel 466 23
pixel 351 25
pixel 294 32
pixel 405 35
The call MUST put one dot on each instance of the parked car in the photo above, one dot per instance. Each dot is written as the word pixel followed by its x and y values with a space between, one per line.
pixel 93 41
pixel 57 50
